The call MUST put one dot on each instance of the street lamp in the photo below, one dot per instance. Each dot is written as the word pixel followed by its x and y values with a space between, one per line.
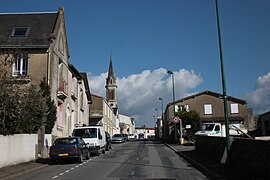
pixel 154 121
pixel 162 120
pixel 225 103
pixel 171 73
pixel 157 112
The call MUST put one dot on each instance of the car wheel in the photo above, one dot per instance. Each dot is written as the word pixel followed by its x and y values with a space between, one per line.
pixel 80 158
pixel 103 151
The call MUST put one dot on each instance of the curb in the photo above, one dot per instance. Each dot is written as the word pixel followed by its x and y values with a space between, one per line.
pixel 206 171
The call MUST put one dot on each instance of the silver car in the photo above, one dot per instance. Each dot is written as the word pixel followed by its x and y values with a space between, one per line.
pixel 118 138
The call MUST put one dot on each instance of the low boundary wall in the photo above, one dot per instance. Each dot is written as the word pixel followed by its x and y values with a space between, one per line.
pixel 20 148
pixel 247 155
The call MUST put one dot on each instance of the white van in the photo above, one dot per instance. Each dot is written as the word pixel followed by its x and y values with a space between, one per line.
pixel 94 136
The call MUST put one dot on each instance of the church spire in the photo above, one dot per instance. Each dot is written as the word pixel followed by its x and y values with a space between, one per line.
pixel 111 86
pixel 111 72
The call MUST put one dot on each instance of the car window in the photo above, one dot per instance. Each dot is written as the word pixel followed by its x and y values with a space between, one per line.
pixel 85 133
pixel 66 141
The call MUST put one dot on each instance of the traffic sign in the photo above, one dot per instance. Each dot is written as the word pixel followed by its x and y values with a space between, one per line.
pixel 176 119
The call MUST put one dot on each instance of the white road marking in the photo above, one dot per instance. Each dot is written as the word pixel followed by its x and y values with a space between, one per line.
pixel 61 174
pixel 132 173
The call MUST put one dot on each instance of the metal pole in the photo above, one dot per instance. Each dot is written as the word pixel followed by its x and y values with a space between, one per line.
pixel 162 119
pixel 171 73
pixel 225 103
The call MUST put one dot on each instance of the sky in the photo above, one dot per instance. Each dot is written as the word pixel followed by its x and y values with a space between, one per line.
pixel 149 37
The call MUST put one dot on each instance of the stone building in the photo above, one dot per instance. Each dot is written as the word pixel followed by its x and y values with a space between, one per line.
pixel 38 46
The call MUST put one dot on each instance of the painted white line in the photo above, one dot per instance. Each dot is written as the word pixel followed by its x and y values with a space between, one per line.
pixel 61 174
pixel 54 177
pixel 72 168
pixel 132 173
pixel 66 171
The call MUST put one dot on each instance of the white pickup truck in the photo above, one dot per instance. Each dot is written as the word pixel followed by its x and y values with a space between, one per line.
pixel 218 129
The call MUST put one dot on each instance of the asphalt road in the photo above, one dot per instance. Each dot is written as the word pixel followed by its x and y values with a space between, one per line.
pixel 131 160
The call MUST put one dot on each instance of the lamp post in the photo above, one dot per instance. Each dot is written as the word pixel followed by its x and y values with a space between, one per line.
pixel 225 103
pixel 171 73
pixel 157 112
pixel 162 120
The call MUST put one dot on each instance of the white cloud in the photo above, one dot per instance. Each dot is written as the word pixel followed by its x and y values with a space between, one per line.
pixel 138 94
pixel 259 98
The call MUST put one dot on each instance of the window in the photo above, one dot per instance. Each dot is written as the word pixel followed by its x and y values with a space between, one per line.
pixel 208 109
pixel 234 109
pixel 20 31
pixel 20 65
pixel 217 128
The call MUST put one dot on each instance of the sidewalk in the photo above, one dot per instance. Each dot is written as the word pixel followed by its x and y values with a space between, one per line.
pixel 211 169
pixel 11 172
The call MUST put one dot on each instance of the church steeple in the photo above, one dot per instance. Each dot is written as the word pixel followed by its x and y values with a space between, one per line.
pixel 111 72
pixel 111 86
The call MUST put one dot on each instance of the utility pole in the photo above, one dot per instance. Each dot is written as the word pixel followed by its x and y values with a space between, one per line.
pixel 225 103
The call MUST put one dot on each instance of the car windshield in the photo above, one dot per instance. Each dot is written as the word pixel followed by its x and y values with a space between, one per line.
pixel 86 132
pixel 207 127
pixel 66 141
pixel 117 135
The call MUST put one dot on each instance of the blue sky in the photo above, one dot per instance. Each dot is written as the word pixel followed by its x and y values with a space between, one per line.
pixel 149 37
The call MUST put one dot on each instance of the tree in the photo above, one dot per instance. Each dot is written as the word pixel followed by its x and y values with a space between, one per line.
pixel 49 109
pixel 191 118
pixel 24 108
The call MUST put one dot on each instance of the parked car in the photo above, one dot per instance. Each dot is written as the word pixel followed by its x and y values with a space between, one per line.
pixel 131 136
pixel 141 136
pixel 108 141
pixel 118 138
pixel 69 148
pixel 126 137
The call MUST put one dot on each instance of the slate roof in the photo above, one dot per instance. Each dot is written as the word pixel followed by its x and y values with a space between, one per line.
pixel 41 27
pixel 211 93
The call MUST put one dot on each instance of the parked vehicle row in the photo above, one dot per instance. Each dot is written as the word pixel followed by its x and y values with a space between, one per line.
pixel 84 142
pixel 120 138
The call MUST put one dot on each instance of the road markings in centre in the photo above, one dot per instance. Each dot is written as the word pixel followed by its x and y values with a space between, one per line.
pixel 61 174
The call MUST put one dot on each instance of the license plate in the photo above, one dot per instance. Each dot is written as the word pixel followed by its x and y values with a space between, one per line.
pixel 63 154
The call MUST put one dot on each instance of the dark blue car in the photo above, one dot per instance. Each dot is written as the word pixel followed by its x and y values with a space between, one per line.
pixel 69 148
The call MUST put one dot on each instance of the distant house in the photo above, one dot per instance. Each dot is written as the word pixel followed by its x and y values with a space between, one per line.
pixel 147 132
pixel 209 105
pixel 37 44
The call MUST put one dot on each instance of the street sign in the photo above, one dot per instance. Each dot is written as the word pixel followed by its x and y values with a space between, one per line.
pixel 176 119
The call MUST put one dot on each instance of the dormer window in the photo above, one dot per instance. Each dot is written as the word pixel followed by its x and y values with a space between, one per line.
pixel 20 32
